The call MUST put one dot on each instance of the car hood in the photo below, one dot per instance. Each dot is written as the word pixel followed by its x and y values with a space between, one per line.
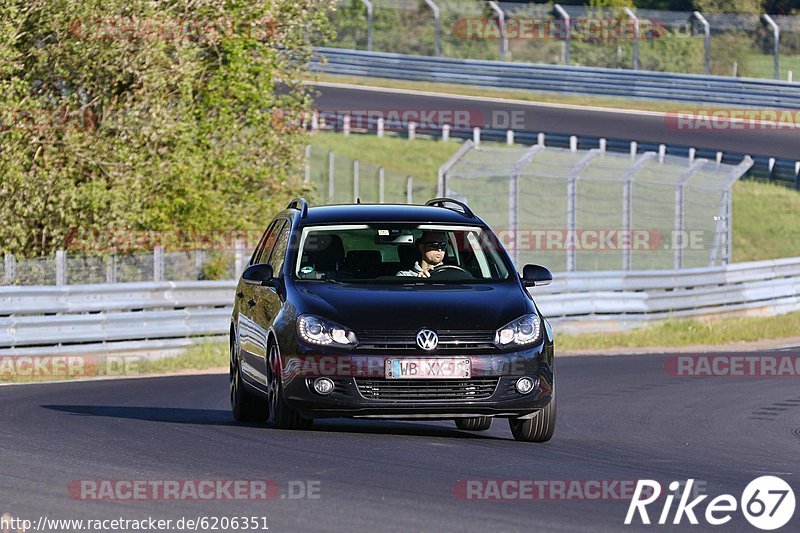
pixel 411 307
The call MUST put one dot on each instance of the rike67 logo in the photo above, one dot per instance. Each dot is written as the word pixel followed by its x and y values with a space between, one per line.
pixel 767 502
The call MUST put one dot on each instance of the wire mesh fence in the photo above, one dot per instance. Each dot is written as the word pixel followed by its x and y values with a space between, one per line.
pixel 80 269
pixel 338 179
pixel 597 210
pixel 738 44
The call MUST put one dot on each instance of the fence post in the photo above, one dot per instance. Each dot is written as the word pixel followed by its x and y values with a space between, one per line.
pixel 509 137
pixel 513 198
pixel 238 258
pixel 707 42
pixel 315 121
pixel 330 177
pixel 307 178
pixel 776 38
pixel 635 19
pixel 567 32
pixel 437 36
pixel 355 180
pixel 602 144
pixel 111 268
pixel 381 127
pixel 728 225
pixel 540 139
pixel 446 132
pixel 381 184
pixel 412 130
pixel 501 17
pixel 796 175
pixel 369 24
pixel 680 186
pixel 572 196
pixel 572 205
pixel 410 190
pixel 476 136
pixel 627 205
pixel 346 125
pixel 10 274
pixel 61 267
pixel 573 143
pixel 158 263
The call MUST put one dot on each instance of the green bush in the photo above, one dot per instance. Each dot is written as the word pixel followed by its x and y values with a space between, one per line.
pixel 106 127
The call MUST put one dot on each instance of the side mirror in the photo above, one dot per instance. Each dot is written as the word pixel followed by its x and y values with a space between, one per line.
pixel 535 276
pixel 260 275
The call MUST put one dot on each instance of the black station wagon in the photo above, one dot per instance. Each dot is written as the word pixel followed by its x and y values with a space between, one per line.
pixel 390 311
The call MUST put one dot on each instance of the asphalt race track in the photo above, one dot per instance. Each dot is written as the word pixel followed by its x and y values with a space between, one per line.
pixel 779 143
pixel 620 418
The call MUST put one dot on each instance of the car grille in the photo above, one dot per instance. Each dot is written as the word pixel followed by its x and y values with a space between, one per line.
pixel 449 340
pixel 427 389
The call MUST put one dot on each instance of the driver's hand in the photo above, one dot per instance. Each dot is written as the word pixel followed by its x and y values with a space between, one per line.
pixel 424 274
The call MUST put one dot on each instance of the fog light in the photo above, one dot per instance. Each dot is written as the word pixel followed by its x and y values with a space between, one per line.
pixel 524 385
pixel 323 386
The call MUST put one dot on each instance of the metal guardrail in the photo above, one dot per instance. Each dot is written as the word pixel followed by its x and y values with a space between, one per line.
pixel 135 317
pixel 113 318
pixel 614 301
pixel 698 89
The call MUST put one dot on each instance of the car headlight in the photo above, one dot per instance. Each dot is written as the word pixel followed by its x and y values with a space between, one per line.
pixel 317 330
pixel 524 330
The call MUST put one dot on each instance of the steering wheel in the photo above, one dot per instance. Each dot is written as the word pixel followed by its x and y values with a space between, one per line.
pixel 444 270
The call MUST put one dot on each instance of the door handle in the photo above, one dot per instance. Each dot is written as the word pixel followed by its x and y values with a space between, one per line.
pixel 240 295
pixel 251 303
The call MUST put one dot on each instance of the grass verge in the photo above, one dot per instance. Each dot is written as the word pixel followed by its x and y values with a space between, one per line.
pixel 20 369
pixel 688 332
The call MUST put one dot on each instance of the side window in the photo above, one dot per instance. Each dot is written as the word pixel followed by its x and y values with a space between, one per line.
pixel 260 247
pixel 279 251
pixel 269 242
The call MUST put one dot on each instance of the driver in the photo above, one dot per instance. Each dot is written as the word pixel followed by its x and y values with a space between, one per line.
pixel 432 246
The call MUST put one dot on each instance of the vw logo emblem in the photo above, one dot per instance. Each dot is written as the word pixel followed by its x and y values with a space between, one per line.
pixel 427 339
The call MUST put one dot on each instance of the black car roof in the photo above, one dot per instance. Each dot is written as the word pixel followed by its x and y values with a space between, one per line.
pixel 351 213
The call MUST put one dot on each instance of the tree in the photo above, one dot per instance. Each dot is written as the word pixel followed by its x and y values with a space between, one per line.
pixel 133 114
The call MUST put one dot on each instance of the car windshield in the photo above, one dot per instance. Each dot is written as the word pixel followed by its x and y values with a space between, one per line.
pixel 393 253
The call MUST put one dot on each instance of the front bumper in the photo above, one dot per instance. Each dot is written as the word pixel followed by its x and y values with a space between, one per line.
pixel 361 389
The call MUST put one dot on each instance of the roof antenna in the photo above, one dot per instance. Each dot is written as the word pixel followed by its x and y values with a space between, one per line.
pixel 358 199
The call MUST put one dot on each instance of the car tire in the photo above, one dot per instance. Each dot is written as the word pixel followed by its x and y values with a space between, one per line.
pixel 478 423
pixel 281 416
pixel 540 428
pixel 245 405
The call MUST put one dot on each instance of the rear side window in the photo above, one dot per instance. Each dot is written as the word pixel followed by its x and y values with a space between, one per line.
pixel 279 251
pixel 268 242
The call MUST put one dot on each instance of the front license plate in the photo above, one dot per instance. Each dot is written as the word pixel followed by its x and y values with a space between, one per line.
pixel 428 368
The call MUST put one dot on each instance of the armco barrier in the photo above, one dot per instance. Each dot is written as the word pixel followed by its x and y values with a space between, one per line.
pixel 133 317
pixel 640 84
